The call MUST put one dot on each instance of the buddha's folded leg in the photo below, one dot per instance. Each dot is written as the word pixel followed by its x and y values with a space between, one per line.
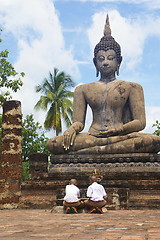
pixel 82 141
pixel 131 143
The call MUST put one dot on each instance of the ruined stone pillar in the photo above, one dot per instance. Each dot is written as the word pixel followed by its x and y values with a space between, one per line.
pixel 38 165
pixel 11 157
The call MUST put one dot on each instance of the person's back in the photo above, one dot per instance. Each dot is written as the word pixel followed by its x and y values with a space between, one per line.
pixel 72 193
pixel 71 199
pixel 96 194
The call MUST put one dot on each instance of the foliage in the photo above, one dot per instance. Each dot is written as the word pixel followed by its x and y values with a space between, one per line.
pixel 0 133
pixel 56 99
pixel 9 78
pixel 157 125
pixel 33 138
pixel 25 171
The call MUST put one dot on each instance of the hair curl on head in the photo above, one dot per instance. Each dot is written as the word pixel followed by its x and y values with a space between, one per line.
pixel 107 43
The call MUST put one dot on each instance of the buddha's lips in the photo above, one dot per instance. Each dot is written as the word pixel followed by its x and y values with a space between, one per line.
pixel 106 67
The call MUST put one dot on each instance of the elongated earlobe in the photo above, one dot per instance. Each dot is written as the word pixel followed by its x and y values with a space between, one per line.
pixel 117 71
pixel 97 72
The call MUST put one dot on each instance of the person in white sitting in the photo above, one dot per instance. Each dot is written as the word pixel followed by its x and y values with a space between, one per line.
pixel 71 200
pixel 97 195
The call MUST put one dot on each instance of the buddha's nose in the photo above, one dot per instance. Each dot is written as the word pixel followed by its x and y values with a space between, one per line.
pixel 105 64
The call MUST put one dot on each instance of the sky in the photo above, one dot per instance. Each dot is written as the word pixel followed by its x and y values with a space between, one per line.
pixel 43 34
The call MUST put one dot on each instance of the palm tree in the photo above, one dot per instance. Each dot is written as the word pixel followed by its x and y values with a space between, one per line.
pixel 57 98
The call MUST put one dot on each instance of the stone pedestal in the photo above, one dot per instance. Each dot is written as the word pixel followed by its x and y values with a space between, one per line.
pixel 126 177
pixel 132 181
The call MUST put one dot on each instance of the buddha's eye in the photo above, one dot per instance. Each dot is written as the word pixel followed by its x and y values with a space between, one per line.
pixel 101 58
pixel 110 57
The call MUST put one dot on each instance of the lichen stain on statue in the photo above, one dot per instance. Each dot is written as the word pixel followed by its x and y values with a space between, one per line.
pixel 117 106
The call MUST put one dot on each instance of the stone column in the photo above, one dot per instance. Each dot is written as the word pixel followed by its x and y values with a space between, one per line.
pixel 11 157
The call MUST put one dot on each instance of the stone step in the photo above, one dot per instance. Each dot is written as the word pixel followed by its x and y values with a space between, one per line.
pixel 145 204
pixel 37 201
pixel 144 199
pixel 46 198
pixel 60 184
pixel 43 194
pixel 42 184
pixel 145 194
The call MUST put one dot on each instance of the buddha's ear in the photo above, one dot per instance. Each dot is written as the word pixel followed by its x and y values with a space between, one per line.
pixel 118 66
pixel 120 60
pixel 95 63
pixel 117 70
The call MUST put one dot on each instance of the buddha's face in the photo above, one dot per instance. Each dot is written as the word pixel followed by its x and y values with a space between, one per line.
pixel 106 62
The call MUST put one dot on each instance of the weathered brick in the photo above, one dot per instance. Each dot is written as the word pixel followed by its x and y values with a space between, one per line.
pixel 10 143
pixel 38 165
pixel 11 172
pixel 14 185
pixel 9 105
pixel 15 131
pixel 38 157
pixel 11 159
pixel 12 119
pixel 2 185
pixel 9 199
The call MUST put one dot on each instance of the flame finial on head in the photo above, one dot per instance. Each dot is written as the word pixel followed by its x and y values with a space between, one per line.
pixel 107 30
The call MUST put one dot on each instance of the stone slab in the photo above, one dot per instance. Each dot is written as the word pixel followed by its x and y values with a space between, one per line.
pixel 104 158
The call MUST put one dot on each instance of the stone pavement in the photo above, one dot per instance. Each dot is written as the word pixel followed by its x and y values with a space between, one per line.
pixel 37 224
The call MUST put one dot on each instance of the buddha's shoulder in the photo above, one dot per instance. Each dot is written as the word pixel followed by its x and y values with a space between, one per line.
pixel 129 84
pixel 93 85
pixel 86 86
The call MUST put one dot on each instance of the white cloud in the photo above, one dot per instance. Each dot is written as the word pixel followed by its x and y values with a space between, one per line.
pixel 148 3
pixel 38 31
pixel 129 33
pixel 36 27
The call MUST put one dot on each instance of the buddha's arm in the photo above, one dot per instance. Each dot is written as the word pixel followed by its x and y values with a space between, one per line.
pixel 136 101
pixel 79 114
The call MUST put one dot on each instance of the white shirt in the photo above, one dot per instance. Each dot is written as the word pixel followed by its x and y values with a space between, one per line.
pixel 72 193
pixel 96 192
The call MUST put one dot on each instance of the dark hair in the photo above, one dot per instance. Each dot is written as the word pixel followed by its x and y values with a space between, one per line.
pixel 107 43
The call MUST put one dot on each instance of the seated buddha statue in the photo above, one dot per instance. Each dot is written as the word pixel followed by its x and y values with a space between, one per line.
pixel 117 107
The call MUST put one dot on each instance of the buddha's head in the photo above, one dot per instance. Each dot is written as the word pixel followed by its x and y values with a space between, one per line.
pixel 106 43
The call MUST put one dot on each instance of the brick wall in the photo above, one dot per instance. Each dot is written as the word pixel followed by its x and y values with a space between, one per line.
pixel 11 157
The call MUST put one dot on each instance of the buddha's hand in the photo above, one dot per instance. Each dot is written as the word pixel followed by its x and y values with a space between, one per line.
pixel 68 138
pixel 111 132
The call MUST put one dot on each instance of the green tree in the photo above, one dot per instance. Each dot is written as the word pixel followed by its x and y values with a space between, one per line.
pixel 33 138
pixel 56 99
pixel 9 78
pixel 157 125
pixel 0 133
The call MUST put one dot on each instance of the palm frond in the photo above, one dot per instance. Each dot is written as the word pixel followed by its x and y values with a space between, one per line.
pixel 57 99
pixel 50 120
pixel 42 103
